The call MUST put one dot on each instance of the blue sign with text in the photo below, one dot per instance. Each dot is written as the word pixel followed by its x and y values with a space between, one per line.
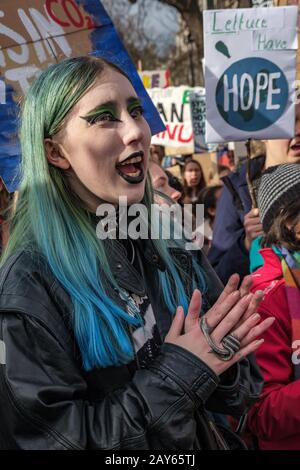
pixel 252 94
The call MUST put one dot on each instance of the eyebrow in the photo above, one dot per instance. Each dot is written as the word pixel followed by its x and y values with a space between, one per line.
pixel 112 105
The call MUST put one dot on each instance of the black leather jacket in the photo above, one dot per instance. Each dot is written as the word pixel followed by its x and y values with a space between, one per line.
pixel 47 401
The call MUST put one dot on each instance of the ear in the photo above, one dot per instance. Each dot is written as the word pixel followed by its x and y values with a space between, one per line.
pixel 55 155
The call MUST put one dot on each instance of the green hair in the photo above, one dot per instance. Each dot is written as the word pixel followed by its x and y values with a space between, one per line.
pixel 49 220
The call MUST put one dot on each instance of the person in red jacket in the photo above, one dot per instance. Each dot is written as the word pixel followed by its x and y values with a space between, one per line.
pixel 275 418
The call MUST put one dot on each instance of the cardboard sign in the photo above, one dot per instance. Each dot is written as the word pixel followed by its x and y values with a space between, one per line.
pixel 250 70
pixel 37 33
pixel 198 110
pixel 155 78
pixel 173 104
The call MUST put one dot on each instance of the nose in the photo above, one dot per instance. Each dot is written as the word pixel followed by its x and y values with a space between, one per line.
pixel 173 193
pixel 176 195
pixel 132 131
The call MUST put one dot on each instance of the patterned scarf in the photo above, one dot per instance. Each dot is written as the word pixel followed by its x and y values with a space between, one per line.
pixel 290 263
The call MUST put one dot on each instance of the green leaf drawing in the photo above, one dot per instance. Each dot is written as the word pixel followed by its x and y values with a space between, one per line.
pixel 221 47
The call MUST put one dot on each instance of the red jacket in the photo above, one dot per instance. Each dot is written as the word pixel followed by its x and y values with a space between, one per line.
pixel 275 418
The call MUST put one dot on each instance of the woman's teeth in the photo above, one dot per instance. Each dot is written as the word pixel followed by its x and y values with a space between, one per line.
pixel 131 170
pixel 132 160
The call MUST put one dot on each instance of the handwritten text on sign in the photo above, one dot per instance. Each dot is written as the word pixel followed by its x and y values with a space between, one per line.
pixel 32 37
pixel 250 69
pixel 198 110
pixel 155 78
pixel 174 107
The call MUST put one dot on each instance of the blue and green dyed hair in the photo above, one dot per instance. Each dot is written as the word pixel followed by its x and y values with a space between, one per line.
pixel 49 219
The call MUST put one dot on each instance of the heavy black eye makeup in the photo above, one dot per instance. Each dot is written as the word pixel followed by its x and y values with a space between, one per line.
pixel 135 107
pixel 107 112
pixel 103 113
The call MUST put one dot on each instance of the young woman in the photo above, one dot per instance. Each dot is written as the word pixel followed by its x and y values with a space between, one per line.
pixel 193 181
pixel 100 342
pixel 275 419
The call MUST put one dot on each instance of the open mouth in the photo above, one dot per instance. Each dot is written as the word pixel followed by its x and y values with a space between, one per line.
pixel 295 147
pixel 131 169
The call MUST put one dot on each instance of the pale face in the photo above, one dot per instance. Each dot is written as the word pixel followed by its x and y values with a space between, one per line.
pixel 160 182
pixel 105 128
pixel 285 150
pixel 192 174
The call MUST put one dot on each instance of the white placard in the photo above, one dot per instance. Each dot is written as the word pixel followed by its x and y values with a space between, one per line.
pixel 250 70
pixel 173 104
pixel 198 110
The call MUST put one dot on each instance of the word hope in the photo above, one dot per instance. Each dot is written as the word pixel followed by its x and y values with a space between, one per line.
pixel 246 91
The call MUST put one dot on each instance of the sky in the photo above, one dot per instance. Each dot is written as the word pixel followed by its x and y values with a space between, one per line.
pixel 161 21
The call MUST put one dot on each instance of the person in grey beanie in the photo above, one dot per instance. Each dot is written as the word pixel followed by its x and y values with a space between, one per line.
pixel 275 418
pixel 237 224
pixel 279 187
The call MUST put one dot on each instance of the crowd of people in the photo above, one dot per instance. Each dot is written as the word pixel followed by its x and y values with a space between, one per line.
pixel 136 342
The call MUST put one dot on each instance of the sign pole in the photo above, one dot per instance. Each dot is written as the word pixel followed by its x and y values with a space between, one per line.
pixel 248 175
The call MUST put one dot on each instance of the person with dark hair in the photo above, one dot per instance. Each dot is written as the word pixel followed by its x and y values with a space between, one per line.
pixel 193 181
pixel 193 184
pixel 209 197
pixel 101 341
pixel 275 418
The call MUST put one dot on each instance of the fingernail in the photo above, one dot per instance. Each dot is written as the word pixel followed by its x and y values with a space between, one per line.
pixel 259 292
pixel 234 278
pixel 256 316
pixel 259 341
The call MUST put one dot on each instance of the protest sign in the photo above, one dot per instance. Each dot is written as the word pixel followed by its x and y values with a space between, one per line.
pixel 37 33
pixel 173 104
pixel 250 67
pixel 198 111
pixel 294 2
pixel 155 78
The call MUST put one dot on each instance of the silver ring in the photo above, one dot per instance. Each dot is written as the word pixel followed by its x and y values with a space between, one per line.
pixel 226 353
pixel 231 342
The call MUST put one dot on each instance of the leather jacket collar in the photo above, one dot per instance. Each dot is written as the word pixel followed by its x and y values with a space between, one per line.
pixel 125 274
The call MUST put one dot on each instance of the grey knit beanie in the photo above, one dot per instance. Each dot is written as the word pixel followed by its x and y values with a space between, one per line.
pixel 279 186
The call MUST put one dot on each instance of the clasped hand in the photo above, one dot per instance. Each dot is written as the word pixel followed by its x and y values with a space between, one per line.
pixel 234 312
